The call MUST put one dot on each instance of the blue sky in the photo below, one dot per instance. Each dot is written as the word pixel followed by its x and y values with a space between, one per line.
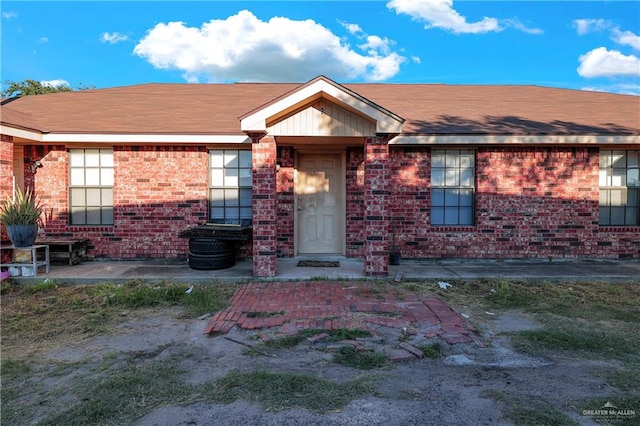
pixel 591 45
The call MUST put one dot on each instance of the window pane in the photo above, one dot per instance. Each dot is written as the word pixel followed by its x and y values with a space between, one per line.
pixel 217 213
pixel 466 216
pixel 106 158
pixel 77 177
pixel 92 158
pixel 618 197
pixel 437 158
pixel 605 219
pixel 605 159
pixel 467 158
pixel 216 158
pixel 632 197
pixel 451 216
pixel 217 177
pixel 94 197
pixel 245 159
pixel 604 197
pixel 107 196
pixel 106 177
pixel 617 215
pixel 231 213
pixel 77 197
pixel 76 158
pixel 231 177
pixel 107 216
pixel 93 216
pixel 217 197
pixel 452 177
pixel 78 216
pixel 451 197
pixel 631 218
pixel 437 215
pixel 466 177
pixel 437 197
pixel 605 178
pixel 246 179
pixel 231 196
pixel 231 158
pixel 633 179
pixel 437 177
pixel 452 159
pixel 246 197
pixel 92 176
pixel 619 177
pixel 245 213
pixel 619 159
pixel 466 197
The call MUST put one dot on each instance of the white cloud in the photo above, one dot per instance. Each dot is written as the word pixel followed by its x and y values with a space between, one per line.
pixel 626 38
pixel 352 28
pixel 440 14
pixel 602 62
pixel 43 40
pixel 515 23
pixel 586 26
pixel 113 38
pixel 9 15
pixel 54 83
pixel 244 48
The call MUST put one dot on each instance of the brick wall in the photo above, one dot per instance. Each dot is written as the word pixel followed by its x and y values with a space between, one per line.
pixel 159 192
pixel 265 230
pixel 6 180
pixel 530 203
pixel 285 202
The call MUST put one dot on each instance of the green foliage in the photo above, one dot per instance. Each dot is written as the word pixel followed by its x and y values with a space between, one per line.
pixel 433 350
pixel 279 391
pixel 23 209
pixel 349 357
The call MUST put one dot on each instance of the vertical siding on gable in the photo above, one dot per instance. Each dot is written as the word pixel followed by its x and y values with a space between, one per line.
pixel 323 118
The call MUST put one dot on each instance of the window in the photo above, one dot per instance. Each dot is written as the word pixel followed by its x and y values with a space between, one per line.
pixel 230 191
pixel 619 188
pixel 452 186
pixel 91 186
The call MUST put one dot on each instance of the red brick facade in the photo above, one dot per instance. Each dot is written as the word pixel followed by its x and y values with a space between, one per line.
pixel 530 203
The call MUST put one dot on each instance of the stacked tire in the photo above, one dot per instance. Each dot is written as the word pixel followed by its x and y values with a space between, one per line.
pixel 210 254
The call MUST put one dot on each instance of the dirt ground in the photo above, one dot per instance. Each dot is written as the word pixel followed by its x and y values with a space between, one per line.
pixel 458 389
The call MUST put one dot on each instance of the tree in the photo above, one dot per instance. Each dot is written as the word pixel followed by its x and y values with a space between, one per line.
pixel 34 87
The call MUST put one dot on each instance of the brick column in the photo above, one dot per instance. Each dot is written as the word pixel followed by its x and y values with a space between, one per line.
pixel 6 173
pixel 376 198
pixel 263 150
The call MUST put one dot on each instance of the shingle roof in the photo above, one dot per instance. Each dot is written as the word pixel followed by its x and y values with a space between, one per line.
pixel 427 108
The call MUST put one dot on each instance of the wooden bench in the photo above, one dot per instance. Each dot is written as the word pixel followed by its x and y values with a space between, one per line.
pixel 71 250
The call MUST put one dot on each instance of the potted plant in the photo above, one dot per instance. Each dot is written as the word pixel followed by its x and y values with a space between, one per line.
pixel 21 215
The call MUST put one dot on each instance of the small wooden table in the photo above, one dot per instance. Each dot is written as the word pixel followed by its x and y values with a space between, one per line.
pixel 35 263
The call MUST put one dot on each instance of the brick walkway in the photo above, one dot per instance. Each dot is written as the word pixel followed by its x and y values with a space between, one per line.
pixel 295 306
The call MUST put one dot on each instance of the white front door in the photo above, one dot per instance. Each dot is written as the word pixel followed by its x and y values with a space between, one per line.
pixel 319 204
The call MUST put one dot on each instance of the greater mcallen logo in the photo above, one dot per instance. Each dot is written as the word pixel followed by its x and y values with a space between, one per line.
pixel 609 411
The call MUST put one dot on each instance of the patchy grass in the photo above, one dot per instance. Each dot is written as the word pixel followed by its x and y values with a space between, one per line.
pixel 124 395
pixel 349 357
pixel 432 350
pixel 529 412
pixel 280 391
pixel 40 316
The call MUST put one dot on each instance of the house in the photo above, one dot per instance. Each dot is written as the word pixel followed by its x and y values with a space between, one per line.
pixel 321 168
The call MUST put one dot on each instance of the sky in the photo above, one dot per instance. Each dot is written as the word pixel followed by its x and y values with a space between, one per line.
pixel 583 45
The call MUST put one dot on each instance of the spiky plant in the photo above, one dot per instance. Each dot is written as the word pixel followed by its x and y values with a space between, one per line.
pixel 23 209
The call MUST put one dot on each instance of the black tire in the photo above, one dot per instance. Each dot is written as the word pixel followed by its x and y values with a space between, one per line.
pixel 212 261
pixel 209 246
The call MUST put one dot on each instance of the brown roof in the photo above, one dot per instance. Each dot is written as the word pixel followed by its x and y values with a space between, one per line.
pixel 427 109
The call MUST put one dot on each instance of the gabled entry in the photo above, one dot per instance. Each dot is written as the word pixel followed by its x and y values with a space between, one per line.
pixel 300 142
